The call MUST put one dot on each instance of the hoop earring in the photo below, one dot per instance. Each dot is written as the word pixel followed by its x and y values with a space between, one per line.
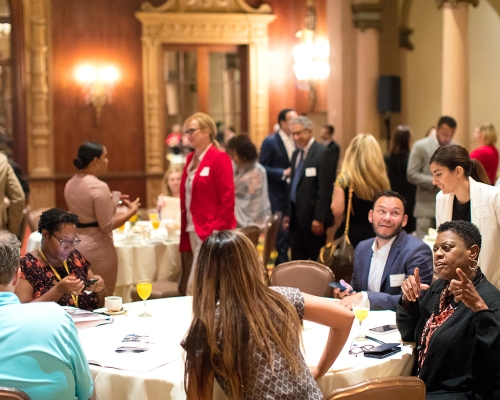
pixel 475 266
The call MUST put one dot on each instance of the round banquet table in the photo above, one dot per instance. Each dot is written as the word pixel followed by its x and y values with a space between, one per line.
pixel 159 373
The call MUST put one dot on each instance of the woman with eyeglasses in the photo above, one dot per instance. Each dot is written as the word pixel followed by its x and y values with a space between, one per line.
pixel 57 271
pixel 207 188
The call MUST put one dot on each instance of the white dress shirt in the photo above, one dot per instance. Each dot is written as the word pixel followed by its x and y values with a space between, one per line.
pixel 377 265
pixel 288 142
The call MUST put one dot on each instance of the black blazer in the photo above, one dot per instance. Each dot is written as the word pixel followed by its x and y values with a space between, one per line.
pixel 314 192
pixel 274 159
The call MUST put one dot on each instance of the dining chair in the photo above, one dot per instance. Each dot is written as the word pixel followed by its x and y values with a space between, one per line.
pixel 271 231
pixel 8 393
pixel 253 233
pixel 394 387
pixel 34 218
pixel 309 276
pixel 163 289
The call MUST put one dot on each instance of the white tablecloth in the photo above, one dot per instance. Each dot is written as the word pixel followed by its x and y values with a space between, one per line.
pixel 141 260
pixel 168 325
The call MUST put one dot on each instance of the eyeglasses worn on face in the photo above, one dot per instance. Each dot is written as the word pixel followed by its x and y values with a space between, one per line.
pixel 360 349
pixel 190 131
pixel 68 243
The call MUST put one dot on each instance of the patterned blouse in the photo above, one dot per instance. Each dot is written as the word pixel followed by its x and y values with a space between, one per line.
pixel 280 384
pixel 43 279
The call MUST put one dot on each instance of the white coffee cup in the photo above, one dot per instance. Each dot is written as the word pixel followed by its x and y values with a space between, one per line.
pixel 113 303
pixel 116 196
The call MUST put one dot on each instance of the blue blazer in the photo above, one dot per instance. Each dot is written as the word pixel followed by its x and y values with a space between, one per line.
pixel 274 159
pixel 407 252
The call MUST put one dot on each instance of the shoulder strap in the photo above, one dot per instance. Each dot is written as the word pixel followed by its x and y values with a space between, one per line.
pixel 349 206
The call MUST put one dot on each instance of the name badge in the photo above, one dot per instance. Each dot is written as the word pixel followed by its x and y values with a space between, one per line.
pixel 482 212
pixel 205 171
pixel 396 280
pixel 311 171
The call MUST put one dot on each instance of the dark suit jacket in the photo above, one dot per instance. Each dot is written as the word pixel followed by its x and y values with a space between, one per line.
pixel 314 192
pixel 274 159
pixel 407 252
pixel 332 159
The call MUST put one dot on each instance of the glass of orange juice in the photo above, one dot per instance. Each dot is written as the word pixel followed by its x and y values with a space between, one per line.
pixel 155 223
pixel 144 288
pixel 360 307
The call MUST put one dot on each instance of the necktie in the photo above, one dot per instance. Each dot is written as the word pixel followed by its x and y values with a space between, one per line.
pixel 296 176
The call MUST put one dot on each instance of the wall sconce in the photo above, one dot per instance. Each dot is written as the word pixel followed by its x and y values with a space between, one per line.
pixel 97 84
pixel 310 56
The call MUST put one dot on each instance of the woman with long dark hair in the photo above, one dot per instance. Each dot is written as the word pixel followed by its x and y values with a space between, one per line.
pixel 90 198
pixel 397 162
pixel 248 335
pixel 466 195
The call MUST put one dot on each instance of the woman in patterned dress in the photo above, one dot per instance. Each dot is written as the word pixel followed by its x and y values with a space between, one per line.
pixel 252 206
pixel 247 335
pixel 90 198
pixel 456 321
pixel 58 271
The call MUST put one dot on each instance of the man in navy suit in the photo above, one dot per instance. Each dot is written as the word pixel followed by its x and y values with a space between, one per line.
pixel 333 152
pixel 381 264
pixel 311 186
pixel 275 156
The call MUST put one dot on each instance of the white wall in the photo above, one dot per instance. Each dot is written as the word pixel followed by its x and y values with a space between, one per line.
pixel 424 66
pixel 484 35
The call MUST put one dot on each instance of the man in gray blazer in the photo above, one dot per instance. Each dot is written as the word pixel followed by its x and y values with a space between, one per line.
pixel 419 173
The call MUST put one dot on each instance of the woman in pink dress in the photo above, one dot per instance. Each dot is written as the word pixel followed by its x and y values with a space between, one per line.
pixel 90 198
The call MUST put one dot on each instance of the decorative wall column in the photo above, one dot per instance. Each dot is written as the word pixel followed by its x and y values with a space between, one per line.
pixel 341 90
pixel 455 81
pixel 366 16
pixel 40 136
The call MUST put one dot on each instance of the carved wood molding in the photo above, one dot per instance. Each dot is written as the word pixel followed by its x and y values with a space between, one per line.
pixel 206 6
pixel 40 137
pixel 453 3
pixel 240 27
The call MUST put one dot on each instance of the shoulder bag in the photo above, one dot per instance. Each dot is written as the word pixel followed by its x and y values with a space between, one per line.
pixel 339 254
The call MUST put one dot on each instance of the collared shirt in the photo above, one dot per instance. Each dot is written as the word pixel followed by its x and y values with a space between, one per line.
pixel 327 142
pixel 40 352
pixel 377 265
pixel 306 150
pixel 288 142
pixel 191 172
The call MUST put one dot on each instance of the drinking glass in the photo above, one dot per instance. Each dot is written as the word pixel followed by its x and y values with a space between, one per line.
pixel 144 288
pixel 361 307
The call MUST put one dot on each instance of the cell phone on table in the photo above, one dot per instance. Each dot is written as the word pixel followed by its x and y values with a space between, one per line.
pixel 381 330
pixel 91 281
pixel 338 286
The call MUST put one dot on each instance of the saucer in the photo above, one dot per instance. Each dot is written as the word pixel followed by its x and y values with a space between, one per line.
pixel 108 312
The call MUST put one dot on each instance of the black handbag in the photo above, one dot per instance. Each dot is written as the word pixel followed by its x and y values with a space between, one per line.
pixel 339 254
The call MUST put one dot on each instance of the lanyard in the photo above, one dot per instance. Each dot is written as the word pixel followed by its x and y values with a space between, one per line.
pixel 74 296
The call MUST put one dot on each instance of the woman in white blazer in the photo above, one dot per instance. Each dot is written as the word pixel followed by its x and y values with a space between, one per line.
pixel 465 196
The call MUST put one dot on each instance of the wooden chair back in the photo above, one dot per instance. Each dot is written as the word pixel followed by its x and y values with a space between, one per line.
pixel 271 231
pixel 309 276
pixel 252 232
pixel 34 218
pixel 8 393
pixel 394 387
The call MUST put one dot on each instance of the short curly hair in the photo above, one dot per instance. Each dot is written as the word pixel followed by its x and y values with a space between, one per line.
pixel 52 219
pixel 243 147
pixel 468 232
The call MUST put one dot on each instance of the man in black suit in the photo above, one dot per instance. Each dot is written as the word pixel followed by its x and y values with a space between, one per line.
pixel 275 155
pixel 311 185
pixel 333 153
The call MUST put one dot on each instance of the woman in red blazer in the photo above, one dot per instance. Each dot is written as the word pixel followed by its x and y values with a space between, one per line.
pixel 207 188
